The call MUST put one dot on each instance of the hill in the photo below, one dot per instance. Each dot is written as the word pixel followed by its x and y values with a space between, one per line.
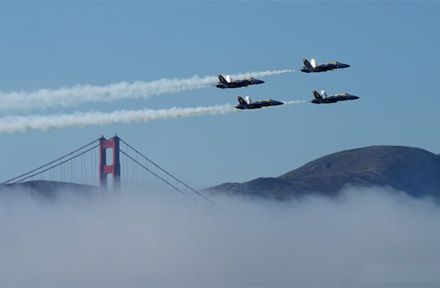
pixel 411 170
pixel 51 190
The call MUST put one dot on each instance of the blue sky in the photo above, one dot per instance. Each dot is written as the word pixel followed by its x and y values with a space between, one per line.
pixel 393 48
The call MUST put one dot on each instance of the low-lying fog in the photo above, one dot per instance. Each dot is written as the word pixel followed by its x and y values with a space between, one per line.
pixel 368 237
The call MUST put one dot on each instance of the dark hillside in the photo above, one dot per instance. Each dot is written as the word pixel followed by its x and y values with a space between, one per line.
pixel 412 170
pixel 51 190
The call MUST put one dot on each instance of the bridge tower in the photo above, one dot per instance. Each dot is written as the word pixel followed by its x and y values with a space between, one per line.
pixel 114 169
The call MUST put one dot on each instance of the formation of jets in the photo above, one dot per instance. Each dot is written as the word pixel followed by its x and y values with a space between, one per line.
pixel 309 67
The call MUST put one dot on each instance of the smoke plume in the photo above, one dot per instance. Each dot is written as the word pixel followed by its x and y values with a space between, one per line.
pixel 70 97
pixel 14 124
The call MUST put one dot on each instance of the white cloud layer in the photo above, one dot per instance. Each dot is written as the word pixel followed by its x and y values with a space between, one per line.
pixel 369 237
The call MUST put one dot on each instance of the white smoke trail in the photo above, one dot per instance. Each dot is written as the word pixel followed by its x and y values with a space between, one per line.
pixel 262 74
pixel 288 103
pixel 14 124
pixel 70 97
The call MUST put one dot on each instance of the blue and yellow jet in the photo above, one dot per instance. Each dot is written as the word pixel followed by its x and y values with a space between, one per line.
pixel 248 104
pixel 227 82
pixel 312 66
pixel 323 98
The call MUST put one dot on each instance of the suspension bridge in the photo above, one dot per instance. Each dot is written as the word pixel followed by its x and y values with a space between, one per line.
pixel 109 160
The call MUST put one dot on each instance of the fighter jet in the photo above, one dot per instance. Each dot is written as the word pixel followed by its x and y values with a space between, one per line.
pixel 248 104
pixel 227 82
pixel 323 98
pixel 314 67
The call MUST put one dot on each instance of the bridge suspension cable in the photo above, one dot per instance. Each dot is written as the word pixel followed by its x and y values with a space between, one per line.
pixel 104 144
pixel 166 172
pixel 51 165
pixel 156 175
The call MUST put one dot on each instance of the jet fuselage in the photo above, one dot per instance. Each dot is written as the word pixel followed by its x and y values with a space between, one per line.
pixel 335 98
pixel 257 104
pixel 309 68
pixel 237 83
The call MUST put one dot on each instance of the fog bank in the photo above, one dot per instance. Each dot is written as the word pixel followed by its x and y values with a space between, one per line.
pixel 368 237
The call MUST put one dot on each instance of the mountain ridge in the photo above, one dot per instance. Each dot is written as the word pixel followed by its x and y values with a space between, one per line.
pixel 51 190
pixel 414 171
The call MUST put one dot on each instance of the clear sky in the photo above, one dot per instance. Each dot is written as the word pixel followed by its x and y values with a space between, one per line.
pixel 392 47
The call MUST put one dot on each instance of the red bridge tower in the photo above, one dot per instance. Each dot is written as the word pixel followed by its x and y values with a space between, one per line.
pixel 114 169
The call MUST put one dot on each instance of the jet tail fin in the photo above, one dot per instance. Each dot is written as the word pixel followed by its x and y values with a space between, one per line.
pixel 241 101
pixel 307 63
pixel 222 79
pixel 317 95
pixel 313 62
pixel 323 93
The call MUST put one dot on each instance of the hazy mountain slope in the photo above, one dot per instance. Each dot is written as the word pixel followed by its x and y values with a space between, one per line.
pixel 412 170
pixel 51 189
